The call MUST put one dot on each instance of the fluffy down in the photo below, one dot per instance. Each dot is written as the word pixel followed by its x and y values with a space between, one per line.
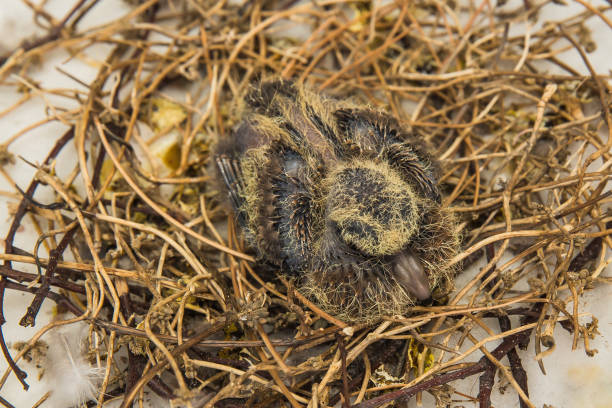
pixel 340 198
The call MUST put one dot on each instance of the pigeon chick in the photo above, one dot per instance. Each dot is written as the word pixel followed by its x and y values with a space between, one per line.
pixel 341 198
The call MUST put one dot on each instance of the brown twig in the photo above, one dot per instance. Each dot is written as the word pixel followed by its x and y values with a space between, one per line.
pixel 483 364
pixel 346 398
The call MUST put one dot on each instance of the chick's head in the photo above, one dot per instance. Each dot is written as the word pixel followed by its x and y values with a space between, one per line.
pixel 371 208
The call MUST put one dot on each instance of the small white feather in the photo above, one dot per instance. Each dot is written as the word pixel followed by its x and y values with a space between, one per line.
pixel 71 378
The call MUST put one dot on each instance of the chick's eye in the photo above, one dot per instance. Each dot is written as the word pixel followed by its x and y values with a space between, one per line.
pixel 292 166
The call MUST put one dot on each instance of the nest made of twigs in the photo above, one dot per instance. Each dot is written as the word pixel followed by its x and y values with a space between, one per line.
pixel 137 245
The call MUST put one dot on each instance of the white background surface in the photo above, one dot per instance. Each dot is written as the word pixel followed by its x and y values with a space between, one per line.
pixel 573 379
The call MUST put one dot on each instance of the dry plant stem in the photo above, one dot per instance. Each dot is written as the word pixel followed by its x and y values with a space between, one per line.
pixel 67 266
pixel 151 372
pixel 518 378
pixel 20 276
pixel 184 391
pixel 601 88
pixel 30 316
pixel 21 210
pixel 358 349
pixel 195 264
pixel 550 292
pixel 279 360
pixel 101 274
pixel 279 382
pixel 53 34
pixel 510 378
pixel 346 401
pixel 500 351
pixel 316 309
pixel 206 344
pixel 153 205
pixel 55 254
pixel 516 367
pixel 366 379
pixel 485 386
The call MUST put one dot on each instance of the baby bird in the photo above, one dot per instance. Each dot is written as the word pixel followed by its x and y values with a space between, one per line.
pixel 341 198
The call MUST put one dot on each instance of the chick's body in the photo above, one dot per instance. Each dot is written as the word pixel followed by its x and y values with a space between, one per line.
pixel 341 198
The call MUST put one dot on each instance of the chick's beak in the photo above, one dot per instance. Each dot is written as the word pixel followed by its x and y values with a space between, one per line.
pixel 409 273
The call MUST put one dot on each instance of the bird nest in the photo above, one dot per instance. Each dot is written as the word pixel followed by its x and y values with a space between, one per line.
pixel 135 242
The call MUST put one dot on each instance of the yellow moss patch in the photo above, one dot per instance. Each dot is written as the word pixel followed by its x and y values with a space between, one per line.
pixel 166 114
